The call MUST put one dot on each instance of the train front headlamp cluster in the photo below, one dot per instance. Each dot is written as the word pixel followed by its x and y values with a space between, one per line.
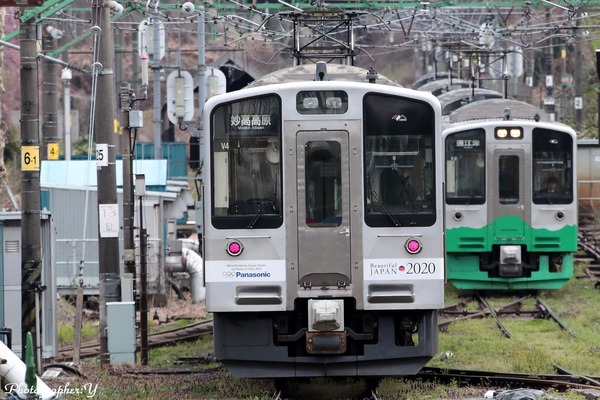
pixel 509 133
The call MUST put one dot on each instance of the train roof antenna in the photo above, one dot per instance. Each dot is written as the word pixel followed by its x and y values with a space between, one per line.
pixel 372 75
pixel 321 72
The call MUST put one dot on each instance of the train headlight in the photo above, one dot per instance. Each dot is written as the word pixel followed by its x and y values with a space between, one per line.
pixel 501 133
pixel 413 246
pixel 516 133
pixel 234 248
pixel 310 103
pixel 509 133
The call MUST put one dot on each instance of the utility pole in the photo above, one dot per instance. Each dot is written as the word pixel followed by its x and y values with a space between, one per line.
pixel 140 187
pixel 31 254
pixel 108 208
pixel 128 201
pixel 578 100
pixel 66 78
pixel 50 96
pixel 549 100
pixel 199 141
pixel 155 57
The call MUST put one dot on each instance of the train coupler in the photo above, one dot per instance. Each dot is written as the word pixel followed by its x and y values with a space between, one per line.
pixel 326 334
pixel 326 342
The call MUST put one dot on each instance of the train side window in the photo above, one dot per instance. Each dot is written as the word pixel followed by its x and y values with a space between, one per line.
pixel 465 167
pixel 245 164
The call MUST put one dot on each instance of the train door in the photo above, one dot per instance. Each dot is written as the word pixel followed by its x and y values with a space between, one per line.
pixel 323 208
pixel 508 194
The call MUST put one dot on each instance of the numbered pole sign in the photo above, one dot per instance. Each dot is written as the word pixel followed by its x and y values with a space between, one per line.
pixel 30 158
pixel 53 152
pixel 101 155
pixel 108 217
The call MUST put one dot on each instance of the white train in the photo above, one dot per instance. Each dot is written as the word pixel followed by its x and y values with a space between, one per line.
pixel 323 225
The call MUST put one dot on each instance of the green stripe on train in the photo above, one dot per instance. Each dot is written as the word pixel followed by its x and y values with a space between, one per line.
pixel 463 246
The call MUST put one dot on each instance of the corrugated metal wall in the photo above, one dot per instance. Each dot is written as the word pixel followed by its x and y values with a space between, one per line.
pixel 76 242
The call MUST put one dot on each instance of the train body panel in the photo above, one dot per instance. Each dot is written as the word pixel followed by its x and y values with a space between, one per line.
pixel 588 174
pixel 313 266
pixel 504 229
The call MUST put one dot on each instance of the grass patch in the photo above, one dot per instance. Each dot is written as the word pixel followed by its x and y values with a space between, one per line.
pixel 536 347
pixel 66 332
pixel 161 357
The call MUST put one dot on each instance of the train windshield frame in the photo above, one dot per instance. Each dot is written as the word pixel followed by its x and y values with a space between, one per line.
pixel 465 167
pixel 399 165
pixel 246 174
pixel 552 158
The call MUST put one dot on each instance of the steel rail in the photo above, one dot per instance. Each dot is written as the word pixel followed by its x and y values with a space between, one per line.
pixel 183 333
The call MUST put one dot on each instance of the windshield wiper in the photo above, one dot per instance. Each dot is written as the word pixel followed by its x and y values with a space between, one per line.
pixel 383 205
pixel 261 208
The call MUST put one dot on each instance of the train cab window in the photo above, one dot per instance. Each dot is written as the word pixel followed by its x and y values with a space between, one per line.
pixel 552 157
pixel 465 167
pixel 399 164
pixel 245 164
pixel 323 184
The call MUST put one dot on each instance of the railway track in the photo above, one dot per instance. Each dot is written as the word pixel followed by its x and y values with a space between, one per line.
pixel 563 380
pixel 188 332
pixel 589 244
pixel 458 311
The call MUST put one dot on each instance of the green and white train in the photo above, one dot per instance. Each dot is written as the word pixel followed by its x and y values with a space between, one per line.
pixel 511 197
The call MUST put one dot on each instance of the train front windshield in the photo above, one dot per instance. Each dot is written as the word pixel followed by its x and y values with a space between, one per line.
pixel 465 167
pixel 552 167
pixel 399 168
pixel 246 167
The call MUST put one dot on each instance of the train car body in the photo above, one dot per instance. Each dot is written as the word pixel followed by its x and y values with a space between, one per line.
pixel 588 179
pixel 315 264
pixel 511 208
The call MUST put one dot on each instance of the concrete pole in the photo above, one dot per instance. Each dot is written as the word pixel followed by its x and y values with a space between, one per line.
pixel 155 64
pixel 66 78
pixel 578 101
pixel 108 214
pixel 127 100
pixel 201 85
pixel 549 102
pixel 31 254
pixel 50 101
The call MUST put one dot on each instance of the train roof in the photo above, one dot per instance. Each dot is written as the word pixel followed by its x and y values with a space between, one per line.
pixel 307 72
pixel 459 98
pixel 495 109
pixel 434 76
pixel 444 85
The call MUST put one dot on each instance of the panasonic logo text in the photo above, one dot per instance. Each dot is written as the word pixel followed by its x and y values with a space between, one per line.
pixel 252 274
